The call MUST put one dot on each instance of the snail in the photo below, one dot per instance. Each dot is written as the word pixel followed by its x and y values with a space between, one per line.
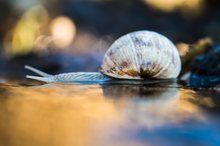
pixel 137 55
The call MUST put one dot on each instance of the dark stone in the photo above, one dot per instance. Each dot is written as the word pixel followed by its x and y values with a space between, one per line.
pixel 206 68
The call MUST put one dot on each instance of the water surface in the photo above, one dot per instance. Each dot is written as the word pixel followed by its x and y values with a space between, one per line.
pixel 108 115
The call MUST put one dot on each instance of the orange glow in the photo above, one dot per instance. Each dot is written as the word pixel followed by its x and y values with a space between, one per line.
pixel 183 48
pixel 91 115
pixel 165 5
pixel 186 6
pixel 56 117
pixel 63 31
pixel 164 103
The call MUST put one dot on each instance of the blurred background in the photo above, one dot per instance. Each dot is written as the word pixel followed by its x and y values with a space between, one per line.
pixel 72 35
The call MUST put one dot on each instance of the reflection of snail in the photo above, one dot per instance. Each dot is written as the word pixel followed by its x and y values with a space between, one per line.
pixel 137 55
pixel 155 91
pixel 146 106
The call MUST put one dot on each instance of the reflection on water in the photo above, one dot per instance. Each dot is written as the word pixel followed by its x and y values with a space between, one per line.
pixel 107 115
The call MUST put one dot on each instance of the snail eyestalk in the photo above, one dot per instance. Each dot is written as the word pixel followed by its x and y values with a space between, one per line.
pixel 39 72
pixel 44 77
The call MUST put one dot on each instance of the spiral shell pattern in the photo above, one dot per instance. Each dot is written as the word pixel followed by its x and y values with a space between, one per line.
pixel 142 55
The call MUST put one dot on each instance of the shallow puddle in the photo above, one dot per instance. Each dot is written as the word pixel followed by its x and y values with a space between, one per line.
pixel 108 115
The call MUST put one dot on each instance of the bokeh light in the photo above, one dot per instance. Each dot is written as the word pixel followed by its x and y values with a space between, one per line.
pixel 63 31
pixel 21 39
pixel 186 6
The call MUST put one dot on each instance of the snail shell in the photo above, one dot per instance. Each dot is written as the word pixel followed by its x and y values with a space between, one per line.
pixel 142 54
pixel 137 55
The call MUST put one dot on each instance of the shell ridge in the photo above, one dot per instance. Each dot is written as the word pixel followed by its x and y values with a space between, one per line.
pixel 160 60
pixel 135 51
pixel 168 54
pixel 151 53
pixel 119 47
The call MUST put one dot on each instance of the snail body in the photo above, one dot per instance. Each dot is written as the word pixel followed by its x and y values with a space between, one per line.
pixel 138 55
pixel 67 77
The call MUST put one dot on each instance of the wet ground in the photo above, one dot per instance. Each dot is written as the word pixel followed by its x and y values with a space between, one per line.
pixel 112 114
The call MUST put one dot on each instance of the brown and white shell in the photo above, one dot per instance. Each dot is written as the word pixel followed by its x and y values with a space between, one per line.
pixel 142 55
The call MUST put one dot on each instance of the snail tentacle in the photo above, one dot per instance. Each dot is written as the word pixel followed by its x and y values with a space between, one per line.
pixel 43 79
pixel 39 72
